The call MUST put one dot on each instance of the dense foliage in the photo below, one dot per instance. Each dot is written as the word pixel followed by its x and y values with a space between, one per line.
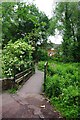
pixel 62 87
pixel 15 57
pixel 66 19
pixel 24 27
pixel 42 55
pixel 25 31
pixel 24 20
pixel 41 65
pixel 21 19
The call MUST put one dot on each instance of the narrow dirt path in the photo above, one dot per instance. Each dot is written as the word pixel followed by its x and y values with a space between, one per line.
pixel 28 101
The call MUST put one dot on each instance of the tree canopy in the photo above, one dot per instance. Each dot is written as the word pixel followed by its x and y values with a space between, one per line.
pixel 67 16
pixel 20 20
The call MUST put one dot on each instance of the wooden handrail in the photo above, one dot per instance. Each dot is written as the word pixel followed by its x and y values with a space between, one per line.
pixel 22 75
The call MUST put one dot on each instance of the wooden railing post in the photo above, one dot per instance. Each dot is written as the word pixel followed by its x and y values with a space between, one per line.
pixel 45 73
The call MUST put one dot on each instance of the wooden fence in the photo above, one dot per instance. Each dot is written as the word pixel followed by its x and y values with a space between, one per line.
pixel 19 78
pixel 26 74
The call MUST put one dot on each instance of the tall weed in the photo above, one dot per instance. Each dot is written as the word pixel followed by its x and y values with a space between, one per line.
pixel 62 87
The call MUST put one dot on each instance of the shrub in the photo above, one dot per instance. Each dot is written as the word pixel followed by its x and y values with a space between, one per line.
pixel 62 87
pixel 15 57
pixel 42 54
pixel 41 65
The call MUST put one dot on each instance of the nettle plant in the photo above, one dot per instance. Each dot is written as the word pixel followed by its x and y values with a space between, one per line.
pixel 15 57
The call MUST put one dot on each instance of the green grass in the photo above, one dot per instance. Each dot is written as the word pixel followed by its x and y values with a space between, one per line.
pixel 13 90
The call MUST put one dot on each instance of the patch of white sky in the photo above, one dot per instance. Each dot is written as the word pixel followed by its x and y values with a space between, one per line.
pixel 47 7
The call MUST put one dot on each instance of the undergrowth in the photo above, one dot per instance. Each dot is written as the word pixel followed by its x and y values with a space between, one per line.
pixel 62 87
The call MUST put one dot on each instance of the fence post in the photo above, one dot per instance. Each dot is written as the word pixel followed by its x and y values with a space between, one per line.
pixel 45 73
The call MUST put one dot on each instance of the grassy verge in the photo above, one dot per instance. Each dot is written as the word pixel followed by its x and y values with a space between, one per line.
pixel 12 90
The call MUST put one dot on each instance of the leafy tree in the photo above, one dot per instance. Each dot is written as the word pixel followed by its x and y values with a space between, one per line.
pixel 22 20
pixel 27 22
pixel 52 26
pixel 7 22
pixel 41 55
pixel 67 22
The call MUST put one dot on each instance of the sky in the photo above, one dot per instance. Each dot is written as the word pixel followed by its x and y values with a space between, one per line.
pixel 47 7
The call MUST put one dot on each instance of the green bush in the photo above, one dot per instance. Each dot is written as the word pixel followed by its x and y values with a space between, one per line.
pixel 62 87
pixel 15 57
pixel 41 55
pixel 41 65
